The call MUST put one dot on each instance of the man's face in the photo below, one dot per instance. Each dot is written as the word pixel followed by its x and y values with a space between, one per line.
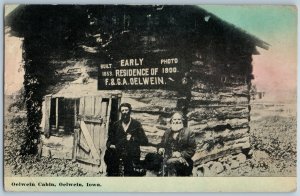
pixel 125 113
pixel 177 119
pixel 176 123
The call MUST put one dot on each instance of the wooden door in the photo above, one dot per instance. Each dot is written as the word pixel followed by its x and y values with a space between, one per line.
pixel 91 135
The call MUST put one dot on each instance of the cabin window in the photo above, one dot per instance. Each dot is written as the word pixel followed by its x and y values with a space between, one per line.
pixel 63 114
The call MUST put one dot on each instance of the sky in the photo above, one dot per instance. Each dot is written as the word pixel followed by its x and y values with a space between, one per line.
pixel 275 69
pixel 13 72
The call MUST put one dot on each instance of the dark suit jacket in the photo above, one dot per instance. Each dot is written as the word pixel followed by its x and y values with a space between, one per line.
pixel 127 149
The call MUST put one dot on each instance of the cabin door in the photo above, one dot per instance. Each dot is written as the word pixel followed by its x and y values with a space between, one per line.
pixel 92 132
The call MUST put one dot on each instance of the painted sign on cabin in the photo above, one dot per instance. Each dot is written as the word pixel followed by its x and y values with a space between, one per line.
pixel 140 73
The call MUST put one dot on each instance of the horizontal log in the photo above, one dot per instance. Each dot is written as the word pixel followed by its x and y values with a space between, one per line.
pixel 202 85
pixel 154 130
pixel 234 123
pixel 197 126
pixel 215 109
pixel 234 99
pixel 223 135
pixel 202 156
pixel 155 106
pixel 161 121
pixel 145 117
pixel 220 100
pixel 215 124
pixel 220 113
pixel 154 139
pixel 145 93
pixel 236 89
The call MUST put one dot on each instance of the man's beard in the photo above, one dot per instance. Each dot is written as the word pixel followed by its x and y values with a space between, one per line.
pixel 176 127
pixel 125 118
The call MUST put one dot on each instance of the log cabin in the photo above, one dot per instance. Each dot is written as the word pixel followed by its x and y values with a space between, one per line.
pixel 201 66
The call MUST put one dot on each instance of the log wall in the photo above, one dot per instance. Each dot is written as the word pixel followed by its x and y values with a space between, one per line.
pixel 219 117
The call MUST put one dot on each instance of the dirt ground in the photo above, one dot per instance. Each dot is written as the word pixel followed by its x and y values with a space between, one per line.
pixel 273 148
pixel 273 129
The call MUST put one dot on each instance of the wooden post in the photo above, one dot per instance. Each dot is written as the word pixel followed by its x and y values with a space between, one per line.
pixel 105 112
pixel 75 144
pixel 75 112
pixel 119 103
pixel 56 113
pixel 46 114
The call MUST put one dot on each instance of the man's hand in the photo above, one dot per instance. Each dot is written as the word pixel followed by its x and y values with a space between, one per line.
pixel 161 151
pixel 128 137
pixel 176 154
pixel 183 161
pixel 112 146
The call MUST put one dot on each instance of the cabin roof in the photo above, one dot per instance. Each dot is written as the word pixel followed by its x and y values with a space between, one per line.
pixel 73 14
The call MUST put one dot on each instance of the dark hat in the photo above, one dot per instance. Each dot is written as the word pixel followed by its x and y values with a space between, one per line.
pixel 125 105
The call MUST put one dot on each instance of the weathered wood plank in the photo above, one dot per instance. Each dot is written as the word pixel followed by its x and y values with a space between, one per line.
pixel 75 143
pixel 97 105
pixel 75 112
pixel 82 106
pixel 97 135
pixel 82 141
pixel 105 110
pixel 89 140
pixel 89 105
pixel 84 147
pixel 91 131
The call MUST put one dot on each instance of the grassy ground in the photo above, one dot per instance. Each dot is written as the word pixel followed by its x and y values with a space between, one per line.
pixel 274 138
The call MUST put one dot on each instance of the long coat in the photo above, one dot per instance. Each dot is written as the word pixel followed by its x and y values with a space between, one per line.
pixel 186 143
pixel 128 149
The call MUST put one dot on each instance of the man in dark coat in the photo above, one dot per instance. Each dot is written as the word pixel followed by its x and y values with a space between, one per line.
pixel 124 140
pixel 178 147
